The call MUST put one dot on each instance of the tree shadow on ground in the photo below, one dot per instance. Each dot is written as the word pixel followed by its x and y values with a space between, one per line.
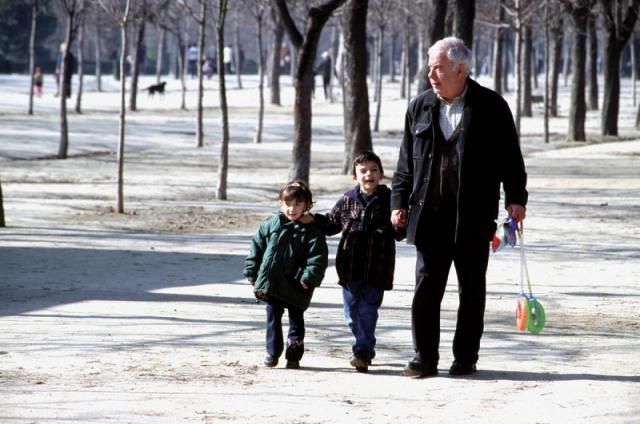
pixel 34 278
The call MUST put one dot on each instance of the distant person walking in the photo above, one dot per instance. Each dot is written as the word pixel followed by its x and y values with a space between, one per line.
pixel 38 80
pixel 324 69
pixel 227 59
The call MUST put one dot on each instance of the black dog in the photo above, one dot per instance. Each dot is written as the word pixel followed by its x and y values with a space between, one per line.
pixel 156 88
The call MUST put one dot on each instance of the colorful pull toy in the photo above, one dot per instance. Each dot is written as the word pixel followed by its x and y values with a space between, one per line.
pixel 530 313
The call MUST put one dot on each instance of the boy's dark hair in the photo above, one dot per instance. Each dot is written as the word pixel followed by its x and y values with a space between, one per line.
pixel 297 190
pixel 366 156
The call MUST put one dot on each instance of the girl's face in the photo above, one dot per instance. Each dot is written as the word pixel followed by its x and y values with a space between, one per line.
pixel 293 209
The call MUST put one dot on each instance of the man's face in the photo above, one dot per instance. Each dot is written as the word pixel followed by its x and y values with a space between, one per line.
pixel 446 79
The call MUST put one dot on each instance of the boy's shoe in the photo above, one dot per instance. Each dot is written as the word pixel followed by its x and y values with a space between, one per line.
pixel 462 368
pixel 361 365
pixel 293 365
pixel 416 369
pixel 270 361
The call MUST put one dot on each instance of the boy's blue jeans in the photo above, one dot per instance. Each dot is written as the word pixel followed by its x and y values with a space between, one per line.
pixel 295 337
pixel 361 303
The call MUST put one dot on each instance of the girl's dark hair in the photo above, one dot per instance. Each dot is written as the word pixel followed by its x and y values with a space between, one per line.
pixel 366 156
pixel 297 190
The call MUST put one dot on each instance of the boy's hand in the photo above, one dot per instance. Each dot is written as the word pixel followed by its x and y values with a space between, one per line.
pixel 304 286
pixel 399 218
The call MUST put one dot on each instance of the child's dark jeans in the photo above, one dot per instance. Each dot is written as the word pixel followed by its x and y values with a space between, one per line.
pixel 295 338
pixel 361 303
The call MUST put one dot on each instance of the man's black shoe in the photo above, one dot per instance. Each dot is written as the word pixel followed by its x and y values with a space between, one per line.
pixel 416 369
pixel 462 368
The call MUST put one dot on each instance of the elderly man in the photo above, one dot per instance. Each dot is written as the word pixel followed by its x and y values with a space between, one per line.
pixel 460 144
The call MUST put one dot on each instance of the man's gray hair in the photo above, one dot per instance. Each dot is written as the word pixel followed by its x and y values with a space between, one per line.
pixel 456 52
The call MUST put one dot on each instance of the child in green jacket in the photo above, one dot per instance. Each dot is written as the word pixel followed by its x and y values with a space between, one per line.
pixel 287 260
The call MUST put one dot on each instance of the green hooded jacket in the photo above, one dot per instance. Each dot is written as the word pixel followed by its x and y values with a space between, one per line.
pixel 284 254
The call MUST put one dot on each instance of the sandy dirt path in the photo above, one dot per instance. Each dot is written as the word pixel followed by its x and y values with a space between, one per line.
pixel 145 318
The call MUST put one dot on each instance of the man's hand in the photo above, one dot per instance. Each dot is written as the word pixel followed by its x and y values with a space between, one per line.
pixel 517 212
pixel 399 218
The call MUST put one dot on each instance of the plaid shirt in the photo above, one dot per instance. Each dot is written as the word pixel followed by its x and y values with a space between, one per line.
pixel 367 249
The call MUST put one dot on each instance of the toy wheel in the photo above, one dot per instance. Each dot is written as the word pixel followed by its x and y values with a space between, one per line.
pixel 522 313
pixel 537 317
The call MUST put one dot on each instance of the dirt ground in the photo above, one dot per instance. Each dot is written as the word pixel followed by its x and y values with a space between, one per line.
pixel 144 317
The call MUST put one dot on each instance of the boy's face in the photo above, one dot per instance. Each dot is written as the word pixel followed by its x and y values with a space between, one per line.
pixel 368 175
pixel 293 209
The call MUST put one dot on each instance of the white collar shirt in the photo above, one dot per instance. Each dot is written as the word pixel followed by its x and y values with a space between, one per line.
pixel 451 114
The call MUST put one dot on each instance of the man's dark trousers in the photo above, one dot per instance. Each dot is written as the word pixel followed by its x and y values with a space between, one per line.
pixel 436 251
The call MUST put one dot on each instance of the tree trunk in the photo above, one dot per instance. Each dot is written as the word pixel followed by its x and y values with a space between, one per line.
pixel 547 55
pixel 306 46
pixel 98 70
pixel 392 57
pixel 261 69
pixel 202 21
pixel 123 113
pixel 32 52
pixel 611 94
pixel 239 58
pixel 556 63
pixel 464 18
pixel 498 43
pixel 278 37
pixel 376 126
pixel 578 109
pixel 80 68
pixel 63 148
pixel 435 32
pixel 518 63
pixel 223 165
pixel 356 71
pixel 619 25
pixel 2 220
pixel 162 38
pixel 525 62
pixel 135 68
pixel 592 65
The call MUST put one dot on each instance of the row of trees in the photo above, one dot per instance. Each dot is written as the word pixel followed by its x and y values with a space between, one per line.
pixel 512 34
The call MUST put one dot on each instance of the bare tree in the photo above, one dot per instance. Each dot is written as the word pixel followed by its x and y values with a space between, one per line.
pixel 498 48
pixel 620 17
pixel 592 64
pixel 35 6
pixel 120 11
pixel 435 31
pixel 2 220
pixel 557 37
pixel 70 8
pixel 97 23
pixel 306 46
pixel 258 10
pixel 380 12
pixel 579 11
pixel 464 18
pixel 140 13
pixel 223 166
pixel 238 55
pixel 201 19
pixel 80 59
pixel 356 97
pixel 276 51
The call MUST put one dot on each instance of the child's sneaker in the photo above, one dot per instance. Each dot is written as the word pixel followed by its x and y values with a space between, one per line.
pixel 293 365
pixel 361 365
pixel 270 361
